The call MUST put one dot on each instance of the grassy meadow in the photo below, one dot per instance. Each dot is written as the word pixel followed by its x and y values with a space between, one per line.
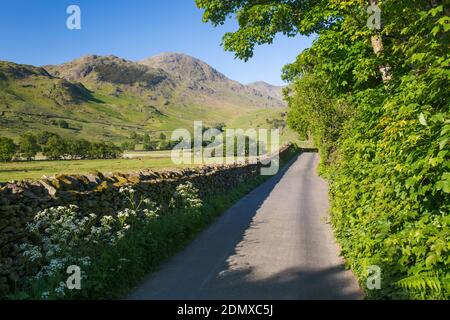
pixel 36 169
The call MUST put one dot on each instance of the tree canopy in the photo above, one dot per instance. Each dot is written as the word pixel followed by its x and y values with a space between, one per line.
pixel 260 21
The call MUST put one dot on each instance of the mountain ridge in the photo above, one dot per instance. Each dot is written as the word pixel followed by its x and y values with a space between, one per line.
pixel 159 93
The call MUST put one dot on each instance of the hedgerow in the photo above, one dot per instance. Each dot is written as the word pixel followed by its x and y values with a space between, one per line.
pixel 384 145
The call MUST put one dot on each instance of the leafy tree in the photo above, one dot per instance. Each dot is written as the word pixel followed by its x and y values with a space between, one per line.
pixel 163 145
pixel 28 146
pixel 114 151
pixel 148 147
pixel 43 137
pixel 78 149
pixel 260 21
pixel 83 148
pixel 8 149
pixel 136 137
pixel 55 148
pixel 146 138
pixel 103 150
pixel 147 142
pixel 162 136
pixel 133 135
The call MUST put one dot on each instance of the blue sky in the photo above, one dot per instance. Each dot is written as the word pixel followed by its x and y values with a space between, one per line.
pixel 34 32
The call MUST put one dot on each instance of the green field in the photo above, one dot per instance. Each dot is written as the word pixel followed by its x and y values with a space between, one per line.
pixel 132 161
pixel 36 169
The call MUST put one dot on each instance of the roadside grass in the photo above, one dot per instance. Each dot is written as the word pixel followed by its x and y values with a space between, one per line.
pixel 147 249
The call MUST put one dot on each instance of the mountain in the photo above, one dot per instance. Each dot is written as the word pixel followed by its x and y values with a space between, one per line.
pixel 107 97
pixel 117 77
pixel 109 69
pixel 37 79
pixel 200 81
pixel 185 68
pixel 267 89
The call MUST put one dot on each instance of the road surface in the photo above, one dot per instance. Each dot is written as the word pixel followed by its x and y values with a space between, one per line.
pixel 275 243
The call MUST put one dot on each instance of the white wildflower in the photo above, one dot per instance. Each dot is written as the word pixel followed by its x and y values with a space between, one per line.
pixel 85 261
pixel 60 290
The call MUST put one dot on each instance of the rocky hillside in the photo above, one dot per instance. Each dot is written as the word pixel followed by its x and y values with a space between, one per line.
pixel 198 78
pixel 107 97
pixel 267 89
pixel 185 68
pixel 109 69
pixel 37 80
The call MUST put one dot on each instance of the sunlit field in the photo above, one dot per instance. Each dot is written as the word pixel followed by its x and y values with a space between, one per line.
pixel 37 169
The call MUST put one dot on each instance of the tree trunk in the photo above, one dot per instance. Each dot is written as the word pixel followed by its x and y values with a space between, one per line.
pixel 378 48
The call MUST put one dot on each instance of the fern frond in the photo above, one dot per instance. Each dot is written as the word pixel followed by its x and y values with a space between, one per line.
pixel 423 281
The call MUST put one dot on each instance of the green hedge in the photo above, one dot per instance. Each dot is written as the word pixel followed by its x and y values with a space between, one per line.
pixel 384 142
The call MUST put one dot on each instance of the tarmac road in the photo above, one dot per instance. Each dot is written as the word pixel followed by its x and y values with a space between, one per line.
pixel 275 243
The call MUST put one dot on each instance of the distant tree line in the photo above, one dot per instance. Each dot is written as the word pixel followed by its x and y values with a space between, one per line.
pixel 159 142
pixel 55 147
pixel 148 143
pixel 276 123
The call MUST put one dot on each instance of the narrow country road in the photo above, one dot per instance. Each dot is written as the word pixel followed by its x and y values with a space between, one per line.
pixel 275 243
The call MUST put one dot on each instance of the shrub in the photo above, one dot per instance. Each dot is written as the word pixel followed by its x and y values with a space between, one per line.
pixel 63 124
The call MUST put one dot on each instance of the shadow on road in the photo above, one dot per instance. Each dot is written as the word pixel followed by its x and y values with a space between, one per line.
pixel 203 270
pixel 290 284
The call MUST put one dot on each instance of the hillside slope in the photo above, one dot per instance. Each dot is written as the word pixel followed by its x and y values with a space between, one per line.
pixel 201 83
pixel 107 97
pixel 275 92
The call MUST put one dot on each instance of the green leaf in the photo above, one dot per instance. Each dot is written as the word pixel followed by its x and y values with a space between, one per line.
pixel 435 30
pixel 431 260
pixel 422 120
pixel 444 184
pixel 419 57
pixel 445 22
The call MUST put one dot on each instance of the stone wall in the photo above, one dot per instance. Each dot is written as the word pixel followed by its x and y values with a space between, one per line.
pixel 96 193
